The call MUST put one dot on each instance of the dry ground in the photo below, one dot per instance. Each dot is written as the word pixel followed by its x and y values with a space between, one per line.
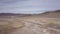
pixel 48 23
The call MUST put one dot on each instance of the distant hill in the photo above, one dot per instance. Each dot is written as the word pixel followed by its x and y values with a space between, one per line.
pixel 53 14
pixel 13 14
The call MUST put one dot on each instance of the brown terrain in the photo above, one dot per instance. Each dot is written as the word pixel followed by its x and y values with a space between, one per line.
pixel 46 23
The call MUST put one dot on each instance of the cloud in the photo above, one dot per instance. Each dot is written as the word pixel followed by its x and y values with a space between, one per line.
pixel 28 6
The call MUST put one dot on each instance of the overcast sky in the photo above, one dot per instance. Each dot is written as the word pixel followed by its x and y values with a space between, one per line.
pixel 28 6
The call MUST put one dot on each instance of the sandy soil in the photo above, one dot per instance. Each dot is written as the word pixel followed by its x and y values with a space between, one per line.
pixel 47 23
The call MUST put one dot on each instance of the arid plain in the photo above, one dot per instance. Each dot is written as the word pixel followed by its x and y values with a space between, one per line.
pixel 45 23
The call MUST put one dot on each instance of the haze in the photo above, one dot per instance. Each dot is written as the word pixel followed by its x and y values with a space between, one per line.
pixel 28 6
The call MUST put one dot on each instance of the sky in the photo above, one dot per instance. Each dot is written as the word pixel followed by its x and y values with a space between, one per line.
pixel 28 6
